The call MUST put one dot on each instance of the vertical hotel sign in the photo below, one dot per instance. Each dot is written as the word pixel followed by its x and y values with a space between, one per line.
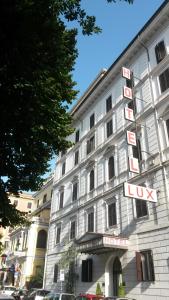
pixel 131 190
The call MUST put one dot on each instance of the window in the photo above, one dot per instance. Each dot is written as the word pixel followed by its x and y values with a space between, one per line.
pixel 75 191
pixel 132 105
pixel 90 225
pixel 92 121
pixel 111 169
pixel 77 136
pixel 44 198
pixel 61 199
pixel 164 80
pixel 91 180
pixel 141 208
pixel 55 275
pixel 112 218
pixel 63 152
pixel 37 203
pixel 58 233
pixel 137 150
pixel 108 104
pixel 76 157
pixel 73 230
pixel 90 145
pixel 160 51
pixel 29 205
pixel 109 128
pixel 87 267
pixel 145 266
pixel 167 127
pixel 63 168
pixel 15 202
pixel 41 239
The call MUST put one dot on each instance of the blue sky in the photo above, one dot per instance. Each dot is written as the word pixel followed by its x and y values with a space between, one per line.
pixel 120 23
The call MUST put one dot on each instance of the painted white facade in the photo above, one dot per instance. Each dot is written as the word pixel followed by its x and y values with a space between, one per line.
pixel 149 232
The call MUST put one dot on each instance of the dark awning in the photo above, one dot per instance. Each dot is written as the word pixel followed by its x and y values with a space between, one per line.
pixel 97 243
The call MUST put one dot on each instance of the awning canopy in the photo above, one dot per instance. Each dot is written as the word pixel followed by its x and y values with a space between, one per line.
pixel 97 243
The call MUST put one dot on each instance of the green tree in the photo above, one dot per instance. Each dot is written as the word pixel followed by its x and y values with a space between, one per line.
pixel 37 57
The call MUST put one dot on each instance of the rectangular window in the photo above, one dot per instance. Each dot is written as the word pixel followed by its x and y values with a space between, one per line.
pixel 63 152
pixel 92 121
pixel 164 80
pixel 108 104
pixel 87 270
pixel 141 208
pixel 91 187
pixel 90 145
pixel 29 205
pixel 112 218
pixel 160 51
pixel 58 233
pixel 75 191
pixel 77 136
pixel 61 200
pixel 44 198
pixel 76 157
pixel 90 222
pixel 55 275
pixel 15 202
pixel 109 128
pixel 137 150
pixel 132 105
pixel 111 168
pixel 145 266
pixel 167 127
pixel 73 230
pixel 63 168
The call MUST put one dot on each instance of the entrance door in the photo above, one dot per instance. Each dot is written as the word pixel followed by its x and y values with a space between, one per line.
pixel 117 275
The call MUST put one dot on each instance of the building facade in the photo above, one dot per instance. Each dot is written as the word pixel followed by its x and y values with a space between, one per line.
pixel 27 245
pixel 121 235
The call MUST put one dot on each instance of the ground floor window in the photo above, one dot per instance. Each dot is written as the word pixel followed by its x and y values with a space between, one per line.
pixel 145 266
pixel 87 270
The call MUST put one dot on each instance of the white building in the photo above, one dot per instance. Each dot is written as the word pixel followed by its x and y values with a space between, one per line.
pixel 119 238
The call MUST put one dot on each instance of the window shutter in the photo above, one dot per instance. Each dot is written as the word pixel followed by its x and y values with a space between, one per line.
pixel 138 266
pixel 55 277
pixel 90 269
pixel 84 270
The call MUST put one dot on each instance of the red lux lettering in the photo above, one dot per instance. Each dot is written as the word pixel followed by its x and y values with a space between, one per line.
pixel 127 92
pixel 128 114
pixel 133 165
pixel 140 192
pixel 126 73
pixel 131 138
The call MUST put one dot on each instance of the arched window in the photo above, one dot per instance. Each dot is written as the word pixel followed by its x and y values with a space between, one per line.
pixel 41 240
pixel 91 180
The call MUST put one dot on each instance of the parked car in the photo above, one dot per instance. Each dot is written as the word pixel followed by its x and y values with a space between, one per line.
pixel 37 294
pixel 118 298
pixel 89 297
pixel 5 297
pixel 8 290
pixel 59 296
pixel 20 294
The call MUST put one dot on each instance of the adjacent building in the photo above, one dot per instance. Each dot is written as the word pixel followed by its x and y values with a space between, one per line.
pixel 121 234
pixel 27 246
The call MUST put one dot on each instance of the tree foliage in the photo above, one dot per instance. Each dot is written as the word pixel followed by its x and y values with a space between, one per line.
pixel 37 57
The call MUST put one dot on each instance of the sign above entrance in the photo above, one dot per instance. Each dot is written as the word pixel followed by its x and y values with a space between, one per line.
pixel 139 192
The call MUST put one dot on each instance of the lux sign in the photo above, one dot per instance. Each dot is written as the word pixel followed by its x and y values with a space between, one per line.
pixel 139 192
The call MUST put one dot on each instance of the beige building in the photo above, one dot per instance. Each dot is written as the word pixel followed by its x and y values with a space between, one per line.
pixel 24 202
pixel 27 246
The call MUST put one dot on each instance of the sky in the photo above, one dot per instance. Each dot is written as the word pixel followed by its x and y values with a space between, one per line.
pixel 120 22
